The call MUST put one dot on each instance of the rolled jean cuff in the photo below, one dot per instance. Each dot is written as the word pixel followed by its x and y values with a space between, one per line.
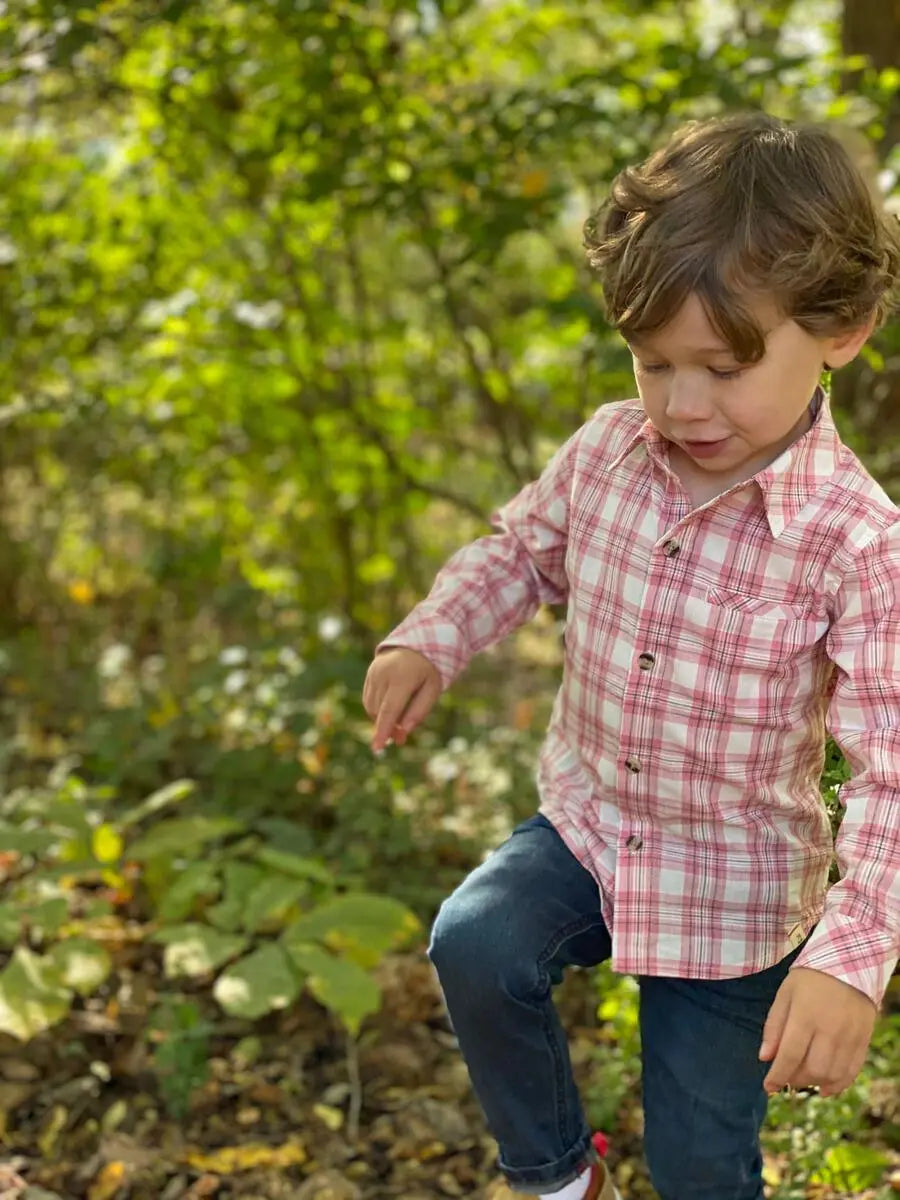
pixel 553 1176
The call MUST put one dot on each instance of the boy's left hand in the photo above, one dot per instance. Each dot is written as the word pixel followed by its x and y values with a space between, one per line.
pixel 818 1032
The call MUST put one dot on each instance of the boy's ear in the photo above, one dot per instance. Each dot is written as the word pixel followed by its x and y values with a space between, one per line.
pixel 842 348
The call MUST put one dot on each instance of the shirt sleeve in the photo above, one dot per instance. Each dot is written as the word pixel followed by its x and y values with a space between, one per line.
pixel 498 582
pixel 858 938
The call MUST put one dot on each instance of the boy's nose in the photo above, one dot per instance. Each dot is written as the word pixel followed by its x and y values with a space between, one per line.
pixel 685 401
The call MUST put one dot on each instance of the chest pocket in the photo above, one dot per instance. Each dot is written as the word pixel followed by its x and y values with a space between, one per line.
pixel 750 658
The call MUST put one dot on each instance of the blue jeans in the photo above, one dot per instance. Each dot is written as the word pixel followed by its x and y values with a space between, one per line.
pixel 501 942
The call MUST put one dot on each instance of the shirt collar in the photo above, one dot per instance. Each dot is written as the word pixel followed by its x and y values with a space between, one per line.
pixel 790 482
pixel 787 484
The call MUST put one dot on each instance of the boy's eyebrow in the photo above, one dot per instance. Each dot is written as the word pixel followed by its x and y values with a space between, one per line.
pixel 642 345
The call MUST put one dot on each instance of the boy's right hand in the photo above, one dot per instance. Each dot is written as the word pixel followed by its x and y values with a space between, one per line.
pixel 400 691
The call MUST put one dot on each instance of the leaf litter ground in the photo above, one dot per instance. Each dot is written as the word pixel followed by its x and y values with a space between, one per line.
pixel 82 1116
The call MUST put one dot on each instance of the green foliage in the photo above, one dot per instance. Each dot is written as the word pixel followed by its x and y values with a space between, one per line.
pixel 32 994
pixel 829 1141
pixel 179 1036
pixel 297 259
pixel 849 1167
pixel 616 1064
pixel 219 896
pixel 293 294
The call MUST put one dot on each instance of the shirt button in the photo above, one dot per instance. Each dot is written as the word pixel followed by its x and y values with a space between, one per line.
pixel 633 765
pixel 634 842
pixel 671 548
pixel 646 661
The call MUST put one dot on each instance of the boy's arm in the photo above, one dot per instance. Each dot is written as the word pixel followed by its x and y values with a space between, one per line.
pixel 496 583
pixel 858 938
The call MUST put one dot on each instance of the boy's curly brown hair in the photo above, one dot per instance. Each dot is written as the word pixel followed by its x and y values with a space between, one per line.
pixel 742 208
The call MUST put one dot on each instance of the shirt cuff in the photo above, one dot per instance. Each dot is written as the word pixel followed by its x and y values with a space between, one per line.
pixel 843 946
pixel 435 638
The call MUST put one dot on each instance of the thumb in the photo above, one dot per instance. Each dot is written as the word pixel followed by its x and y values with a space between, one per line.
pixel 775 1023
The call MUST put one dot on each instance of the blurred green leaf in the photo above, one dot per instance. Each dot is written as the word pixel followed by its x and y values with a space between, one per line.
pixel 81 965
pixel 193 950
pixel 32 995
pixel 851 1167
pixel 172 793
pixel 358 920
pixel 342 986
pixel 180 836
pixel 262 982
pixel 196 880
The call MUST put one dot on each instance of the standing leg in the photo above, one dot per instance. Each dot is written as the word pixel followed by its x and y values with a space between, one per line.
pixel 500 943
pixel 704 1101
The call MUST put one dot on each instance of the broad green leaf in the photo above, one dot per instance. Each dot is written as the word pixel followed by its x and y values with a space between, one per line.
pixel 294 864
pixel 25 841
pixel 177 900
pixel 76 852
pixel 68 815
pixel 48 915
pixel 260 983
pixel 106 844
pixel 850 1167
pixel 32 997
pixel 172 793
pixel 10 924
pixel 181 836
pixel 342 986
pixel 371 923
pixel 271 901
pixel 194 950
pixel 241 879
pixel 82 965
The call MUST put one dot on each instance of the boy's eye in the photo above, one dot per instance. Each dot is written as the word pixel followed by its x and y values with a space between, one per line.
pixel 732 374
pixel 658 368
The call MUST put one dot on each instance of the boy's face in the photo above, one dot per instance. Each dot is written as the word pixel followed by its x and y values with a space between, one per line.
pixel 731 419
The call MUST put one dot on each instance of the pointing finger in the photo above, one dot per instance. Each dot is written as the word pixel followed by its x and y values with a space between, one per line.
pixel 389 712
pixel 419 708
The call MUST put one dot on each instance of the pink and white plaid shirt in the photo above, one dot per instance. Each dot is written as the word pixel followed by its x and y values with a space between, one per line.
pixel 706 653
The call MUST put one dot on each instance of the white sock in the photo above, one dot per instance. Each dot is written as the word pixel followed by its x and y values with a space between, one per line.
pixel 576 1190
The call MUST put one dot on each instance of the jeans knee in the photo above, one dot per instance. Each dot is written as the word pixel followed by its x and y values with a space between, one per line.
pixel 476 954
pixel 455 940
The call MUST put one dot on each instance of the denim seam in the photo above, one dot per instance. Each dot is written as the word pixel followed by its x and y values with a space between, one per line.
pixel 582 925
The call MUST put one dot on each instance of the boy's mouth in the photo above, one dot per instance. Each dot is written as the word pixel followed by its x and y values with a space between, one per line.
pixel 705 449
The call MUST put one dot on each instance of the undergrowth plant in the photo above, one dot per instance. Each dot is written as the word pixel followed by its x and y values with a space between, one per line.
pixel 229 906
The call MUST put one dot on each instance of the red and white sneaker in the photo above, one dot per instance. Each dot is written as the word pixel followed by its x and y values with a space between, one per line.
pixel 606 1191
pixel 600 1185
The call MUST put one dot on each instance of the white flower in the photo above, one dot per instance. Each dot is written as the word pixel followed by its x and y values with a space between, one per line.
pixel 330 628
pixel 233 656
pixel 235 681
pixel 258 316
pixel 156 312
pixel 290 660
pixel 442 768
pixel 113 660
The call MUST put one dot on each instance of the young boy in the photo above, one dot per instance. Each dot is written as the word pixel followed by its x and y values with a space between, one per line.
pixel 732 576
